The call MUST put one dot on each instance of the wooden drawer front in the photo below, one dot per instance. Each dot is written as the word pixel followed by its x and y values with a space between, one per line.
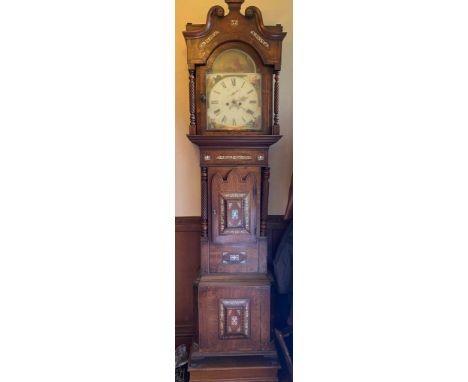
pixel 234 319
pixel 232 259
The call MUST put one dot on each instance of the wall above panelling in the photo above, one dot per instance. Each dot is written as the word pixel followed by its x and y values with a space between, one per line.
pixel 187 170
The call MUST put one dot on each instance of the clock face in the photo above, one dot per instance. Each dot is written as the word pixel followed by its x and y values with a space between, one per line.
pixel 234 101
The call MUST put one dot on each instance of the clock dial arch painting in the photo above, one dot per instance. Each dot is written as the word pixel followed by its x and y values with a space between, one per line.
pixel 233 89
pixel 236 92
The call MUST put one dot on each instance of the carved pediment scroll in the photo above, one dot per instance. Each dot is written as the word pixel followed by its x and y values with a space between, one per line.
pixel 203 39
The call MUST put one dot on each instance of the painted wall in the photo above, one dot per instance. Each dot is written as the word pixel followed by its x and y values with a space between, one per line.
pixel 187 171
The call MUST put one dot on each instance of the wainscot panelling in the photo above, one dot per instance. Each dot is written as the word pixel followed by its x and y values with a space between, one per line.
pixel 187 263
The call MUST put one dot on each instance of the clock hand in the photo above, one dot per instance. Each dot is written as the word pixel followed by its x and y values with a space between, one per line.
pixel 233 103
pixel 238 102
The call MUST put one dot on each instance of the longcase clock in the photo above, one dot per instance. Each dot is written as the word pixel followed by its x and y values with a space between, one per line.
pixel 234 62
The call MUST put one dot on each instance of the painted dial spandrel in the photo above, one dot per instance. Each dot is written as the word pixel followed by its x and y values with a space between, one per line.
pixel 234 101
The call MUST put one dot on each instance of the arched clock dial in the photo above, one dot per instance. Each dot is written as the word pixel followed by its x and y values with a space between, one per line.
pixel 234 101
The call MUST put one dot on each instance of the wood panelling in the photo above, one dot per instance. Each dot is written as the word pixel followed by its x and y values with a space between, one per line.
pixel 187 263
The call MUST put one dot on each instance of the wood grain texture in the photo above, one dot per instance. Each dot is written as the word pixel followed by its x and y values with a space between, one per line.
pixel 264 206
pixel 187 224
pixel 187 263
pixel 209 338
pixel 249 254
pixel 227 157
pixel 227 369
pixel 230 141
pixel 226 183
pixel 202 39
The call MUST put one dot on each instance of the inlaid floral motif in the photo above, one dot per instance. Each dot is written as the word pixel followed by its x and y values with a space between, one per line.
pixel 234 213
pixel 234 318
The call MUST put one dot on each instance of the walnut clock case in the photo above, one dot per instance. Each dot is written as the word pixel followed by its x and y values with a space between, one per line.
pixel 234 62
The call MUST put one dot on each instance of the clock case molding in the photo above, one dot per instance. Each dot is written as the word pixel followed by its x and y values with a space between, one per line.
pixel 232 292
pixel 246 32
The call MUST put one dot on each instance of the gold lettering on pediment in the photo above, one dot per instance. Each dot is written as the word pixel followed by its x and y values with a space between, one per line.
pixel 208 39
pixel 260 39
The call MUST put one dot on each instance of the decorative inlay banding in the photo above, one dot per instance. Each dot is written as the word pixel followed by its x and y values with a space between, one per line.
pixel 192 126
pixel 234 258
pixel 204 200
pixel 235 157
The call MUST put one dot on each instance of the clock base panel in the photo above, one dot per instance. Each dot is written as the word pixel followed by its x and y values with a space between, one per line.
pixel 250 368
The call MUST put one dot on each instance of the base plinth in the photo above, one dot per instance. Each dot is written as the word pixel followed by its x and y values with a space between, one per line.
pixel 252 368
